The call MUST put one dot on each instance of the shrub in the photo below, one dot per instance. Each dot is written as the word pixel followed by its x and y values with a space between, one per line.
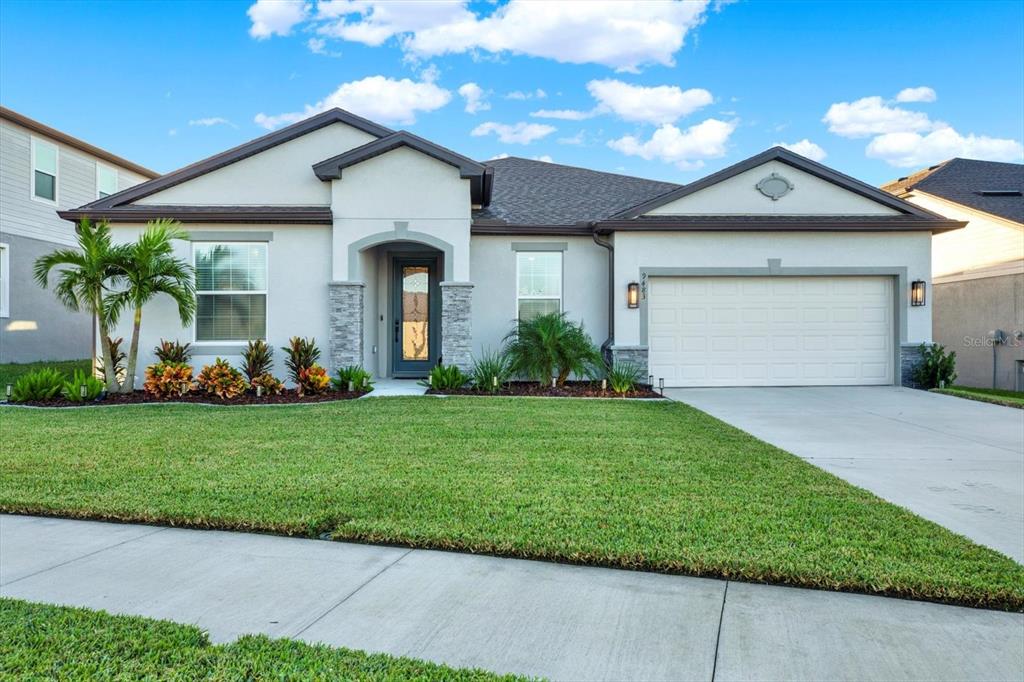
pixel 313 379
pixel 624 376
pixel 356 375
pixel 270 384
pixel 72 389
pixel 490 371
pixel 257 359
pixel 222 380
pixel 168 379
pixel 172 351
pixel 302 353
pixel 937 368
pixel 446 378
pixel 42 384
pixel 118 356
pixel 550 345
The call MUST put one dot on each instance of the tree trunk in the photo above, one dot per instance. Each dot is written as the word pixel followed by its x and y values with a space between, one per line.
pixel 133 352
pixel 109 373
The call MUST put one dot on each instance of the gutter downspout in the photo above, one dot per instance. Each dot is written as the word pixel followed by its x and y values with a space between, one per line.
pixel 610 341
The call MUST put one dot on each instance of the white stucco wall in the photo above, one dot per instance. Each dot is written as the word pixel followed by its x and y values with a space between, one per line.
pixel 739 196
pixel 282 175
pixel 584 286
pixel 636 250
pixel 298 267
pixel 987 240
pixel 403 186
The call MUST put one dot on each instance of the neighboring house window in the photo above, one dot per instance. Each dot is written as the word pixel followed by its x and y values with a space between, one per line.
pixel 106 181
pixel 538 283
pixel 5 280
pixel 44 170
pixel 231 291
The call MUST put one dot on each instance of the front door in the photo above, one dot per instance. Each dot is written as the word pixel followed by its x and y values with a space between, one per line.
pixel 415 305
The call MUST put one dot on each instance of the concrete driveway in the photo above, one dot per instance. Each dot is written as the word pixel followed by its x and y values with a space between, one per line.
pixel 957 462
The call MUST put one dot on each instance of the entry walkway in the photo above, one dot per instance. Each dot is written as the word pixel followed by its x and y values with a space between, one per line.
pixel 504 615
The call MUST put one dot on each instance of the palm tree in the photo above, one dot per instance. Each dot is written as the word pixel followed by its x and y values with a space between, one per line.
pixel 549 346
pixel 148 268
pixel 84 281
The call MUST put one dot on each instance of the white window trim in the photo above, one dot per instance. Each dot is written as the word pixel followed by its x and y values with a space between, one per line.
pixel 5 280
pixel 561 282
pixel 117 179
pixel 266 292
pixel 32 173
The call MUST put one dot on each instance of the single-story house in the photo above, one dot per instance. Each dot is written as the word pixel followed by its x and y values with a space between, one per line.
pixel 977 272
pixel 396 253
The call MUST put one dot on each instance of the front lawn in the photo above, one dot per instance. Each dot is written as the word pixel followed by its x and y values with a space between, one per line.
pixel 10 372
pixel 986 395
pixel 41 642
pixel 648 485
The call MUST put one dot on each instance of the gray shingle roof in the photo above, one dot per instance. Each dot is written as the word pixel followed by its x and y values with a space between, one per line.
pixel 538 193
pixel 970 183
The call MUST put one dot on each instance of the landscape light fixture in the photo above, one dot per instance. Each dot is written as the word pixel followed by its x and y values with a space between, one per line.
pixel 917 292
pixel 633 295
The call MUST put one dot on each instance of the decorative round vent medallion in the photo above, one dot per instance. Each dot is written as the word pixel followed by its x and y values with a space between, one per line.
pixel 774 186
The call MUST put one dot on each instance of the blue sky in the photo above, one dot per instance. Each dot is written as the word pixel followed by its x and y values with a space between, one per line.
pixel 664 90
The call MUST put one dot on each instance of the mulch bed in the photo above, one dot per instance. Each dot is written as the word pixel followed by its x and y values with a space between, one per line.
pixel 571 389
pixel 289 396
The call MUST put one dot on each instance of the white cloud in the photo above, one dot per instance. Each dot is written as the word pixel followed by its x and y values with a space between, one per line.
pixel 544 157
pixel 805 148
pixel 503 155
pixel 319 46
pixel 172 132
pixel 687 149
pixel 919 94
pixel 622 35
pixel 521 95
pixel 909 150
pixel 565 114
pixel 211 121
pixel 518 133
pixel 576 139
pixel 475 98
pixel 658 104
pixel 376 97
pixel 873 116
pixel 276 17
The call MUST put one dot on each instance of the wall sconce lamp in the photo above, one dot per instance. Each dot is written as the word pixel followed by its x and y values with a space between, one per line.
pixel 917 293
pixel 633 295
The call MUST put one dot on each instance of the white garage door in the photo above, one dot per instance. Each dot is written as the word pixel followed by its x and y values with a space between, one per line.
pixel 770 331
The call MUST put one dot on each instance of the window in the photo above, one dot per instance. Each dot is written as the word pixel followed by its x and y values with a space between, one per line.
pixel 106 181
pixel 538 283
pixel 231 291
pixel 44 170
pixel 5 280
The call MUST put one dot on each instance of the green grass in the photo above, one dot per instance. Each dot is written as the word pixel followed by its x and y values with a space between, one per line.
pixel 647 485
pixel 10 372
pixel 988 395
pixel 40 642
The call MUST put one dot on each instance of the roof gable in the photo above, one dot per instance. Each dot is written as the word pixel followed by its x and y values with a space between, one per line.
pixel 239 153
pixel 834 192
pixel 478 174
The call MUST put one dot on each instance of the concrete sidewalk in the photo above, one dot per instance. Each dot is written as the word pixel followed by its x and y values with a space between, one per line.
pixel 505 615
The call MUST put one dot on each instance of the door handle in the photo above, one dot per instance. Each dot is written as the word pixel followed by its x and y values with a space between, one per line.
pixel 396 330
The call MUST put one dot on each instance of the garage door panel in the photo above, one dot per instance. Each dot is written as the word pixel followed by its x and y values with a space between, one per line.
pixel 763 331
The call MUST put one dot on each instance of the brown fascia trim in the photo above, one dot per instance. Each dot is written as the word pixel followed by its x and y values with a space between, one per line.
pixel 504 229
pixel 286 216
pixel 791 159
pixel 823 225
pixel 81 145
pixel 238 153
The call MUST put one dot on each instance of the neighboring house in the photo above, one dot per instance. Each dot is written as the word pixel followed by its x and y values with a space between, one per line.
pixel 977 272
pixel 42 170
pixel 396 254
